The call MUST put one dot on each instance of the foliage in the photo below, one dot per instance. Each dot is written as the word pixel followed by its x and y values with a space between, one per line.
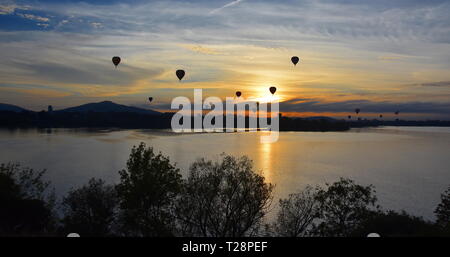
pixel 394 224
pixel 146 192
pixel 443 211
pixel 223 199
pixel 297 213
pixel 343 206
pixel 31 183
pixel 91 209
pixel 26 200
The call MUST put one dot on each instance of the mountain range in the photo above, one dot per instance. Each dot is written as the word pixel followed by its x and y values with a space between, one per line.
pixel 105 106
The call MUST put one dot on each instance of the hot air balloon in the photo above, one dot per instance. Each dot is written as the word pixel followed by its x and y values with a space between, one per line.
pixel 238 93
pixel 295 60
pixel 150 99
pixel 273 90
pixel 357 110
pixel 180 74
pixel 349 117
pixel 381 116
pixel 397 112
pixel 116 60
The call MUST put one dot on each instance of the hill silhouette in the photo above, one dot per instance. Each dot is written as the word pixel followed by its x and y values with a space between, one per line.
pixel 108 106
pixel 108 114
pixel 12 108
pixel 104 114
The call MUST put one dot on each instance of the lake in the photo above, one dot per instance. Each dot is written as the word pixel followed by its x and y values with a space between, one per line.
pixel 409 166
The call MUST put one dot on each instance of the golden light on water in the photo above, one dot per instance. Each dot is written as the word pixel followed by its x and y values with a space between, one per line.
pixel 266 159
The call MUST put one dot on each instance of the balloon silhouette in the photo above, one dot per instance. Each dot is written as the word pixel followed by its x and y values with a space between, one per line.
pixel 180 74
pixel 150 99
pixel 295 60
pixel 349 116
pixel 357 110
pixel 397 112
pixel 116 60
pixel 381 116
pixel 238 93
pixel 273 90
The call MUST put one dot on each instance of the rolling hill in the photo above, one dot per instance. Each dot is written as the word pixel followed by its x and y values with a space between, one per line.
pixel 12 108
pixel 108 106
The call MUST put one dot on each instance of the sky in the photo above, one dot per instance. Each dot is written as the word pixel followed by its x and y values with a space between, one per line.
pixel 379 56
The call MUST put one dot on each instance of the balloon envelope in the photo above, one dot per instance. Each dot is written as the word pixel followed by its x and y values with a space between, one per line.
pixel 273 90
pixel 295 60
pixel 180 74
pixel 349 116
pixel 150 99
pixel 238 93
pixel 357 110
pixel 116 60
pixel 397 112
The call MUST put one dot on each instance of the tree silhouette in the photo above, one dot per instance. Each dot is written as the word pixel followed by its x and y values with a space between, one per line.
pixel 343 206
pixel 443 211
pixel 297 213
pixel 223 199
pixel 146 192
pixel 27 204
pixel 90 210
pixel 394 224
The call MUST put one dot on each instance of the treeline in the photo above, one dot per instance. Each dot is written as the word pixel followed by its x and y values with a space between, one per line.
pixel 406 123
pixel 126 120
pixel 131 120
pixel 223 198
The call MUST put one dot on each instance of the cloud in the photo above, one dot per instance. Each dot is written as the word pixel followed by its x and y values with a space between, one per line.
pixel 34 17
pixel 97 25
pixel 11 8
pixel 368 106
pixel 201 49
pixel 89 73
pixel 235 2
pixel 44 25
pixel 360 49
pixel 437 84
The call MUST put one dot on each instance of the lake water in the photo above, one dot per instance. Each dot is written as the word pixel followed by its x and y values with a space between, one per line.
pixel 409 166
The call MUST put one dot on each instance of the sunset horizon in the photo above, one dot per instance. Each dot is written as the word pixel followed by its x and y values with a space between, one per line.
pixel 225 127
pixel 383 58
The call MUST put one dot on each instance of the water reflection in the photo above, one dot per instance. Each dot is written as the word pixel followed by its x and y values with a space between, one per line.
pixel 266 160
pixel 408 167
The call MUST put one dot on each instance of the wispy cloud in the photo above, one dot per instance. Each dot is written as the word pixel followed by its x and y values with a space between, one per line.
pixel 437 84
pixel 97 25
pixel 226 6
pixel 201 49
pixel 366 106
pixel 349 49
pixel 34 17
pixel 11 8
